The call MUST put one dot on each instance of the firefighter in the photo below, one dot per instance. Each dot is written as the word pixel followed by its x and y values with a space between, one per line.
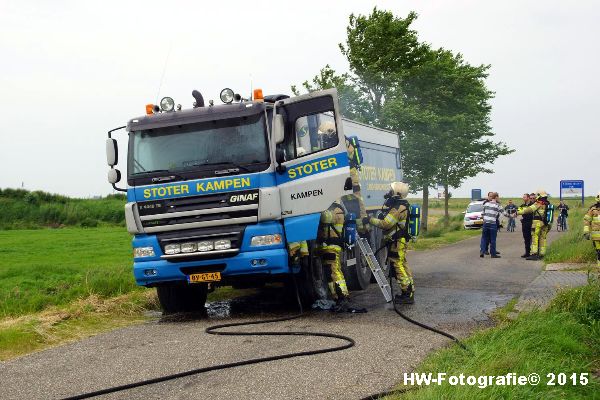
pixel 328 134
pixel 540 226
pixel 394 225
pixel 330 244
pixel 354 202
pixel 591 226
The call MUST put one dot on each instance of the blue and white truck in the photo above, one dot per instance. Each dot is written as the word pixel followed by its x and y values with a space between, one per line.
pixel 216 192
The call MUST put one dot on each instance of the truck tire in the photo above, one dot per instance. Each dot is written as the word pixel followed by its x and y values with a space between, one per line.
pixel 312 279
pixel 176 298
pixel 358 276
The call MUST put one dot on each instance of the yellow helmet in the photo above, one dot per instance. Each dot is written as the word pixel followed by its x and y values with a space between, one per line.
pixel 399 189
pixel 541 193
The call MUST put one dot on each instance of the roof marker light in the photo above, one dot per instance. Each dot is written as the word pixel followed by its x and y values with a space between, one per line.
pixel 258 95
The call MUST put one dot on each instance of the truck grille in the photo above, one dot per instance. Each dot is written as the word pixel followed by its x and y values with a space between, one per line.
pixel 233 233
pixel 234 208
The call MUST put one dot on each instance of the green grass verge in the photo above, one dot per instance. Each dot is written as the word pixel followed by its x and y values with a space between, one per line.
pixel 571 247
pixel 79 319
pixel 441 234
pixel 563 339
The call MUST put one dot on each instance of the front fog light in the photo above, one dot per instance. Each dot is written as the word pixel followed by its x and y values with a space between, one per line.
pixel 172 249
pixel 265 240
pixel 189 247
pixel 222 244
pixel 205 246
pixel 143 252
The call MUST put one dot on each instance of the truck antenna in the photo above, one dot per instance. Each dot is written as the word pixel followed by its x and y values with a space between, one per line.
pixel 162 78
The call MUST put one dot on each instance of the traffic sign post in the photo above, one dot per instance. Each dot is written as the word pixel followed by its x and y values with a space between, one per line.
pixel 475 194
pixel 572 188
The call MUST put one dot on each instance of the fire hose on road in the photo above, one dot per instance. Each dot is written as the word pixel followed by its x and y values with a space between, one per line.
pixel 217 330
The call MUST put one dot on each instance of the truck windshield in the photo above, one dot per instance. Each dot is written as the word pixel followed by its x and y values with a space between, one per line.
pixel 200 149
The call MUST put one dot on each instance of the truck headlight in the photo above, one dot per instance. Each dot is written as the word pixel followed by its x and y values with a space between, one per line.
pixel 265 240
pixel 222 244
pixel 189 247
pixel 172 249
pixel 205 246
pixel 143 252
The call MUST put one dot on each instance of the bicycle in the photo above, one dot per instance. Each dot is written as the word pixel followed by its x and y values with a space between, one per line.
pixel 561 223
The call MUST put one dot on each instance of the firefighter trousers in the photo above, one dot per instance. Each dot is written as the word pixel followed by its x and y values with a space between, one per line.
pixel 331 258
pixel 397 258
pixel 540 233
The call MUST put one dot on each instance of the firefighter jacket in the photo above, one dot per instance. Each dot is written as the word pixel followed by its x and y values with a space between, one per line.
pixel 394 221
pixel 331 225
pixel 591 222
pixel 538 209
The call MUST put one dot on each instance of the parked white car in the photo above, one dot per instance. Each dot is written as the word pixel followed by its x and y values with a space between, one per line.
pixel 473 215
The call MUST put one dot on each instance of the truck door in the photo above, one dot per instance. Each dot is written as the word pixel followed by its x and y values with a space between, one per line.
pixel 316 162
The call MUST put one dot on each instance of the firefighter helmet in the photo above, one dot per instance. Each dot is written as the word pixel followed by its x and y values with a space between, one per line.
pixel 399 189
pixel 327 128
pixel 541 193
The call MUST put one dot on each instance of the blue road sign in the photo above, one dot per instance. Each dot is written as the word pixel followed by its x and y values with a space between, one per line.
pixel 475 194
pixel 572 188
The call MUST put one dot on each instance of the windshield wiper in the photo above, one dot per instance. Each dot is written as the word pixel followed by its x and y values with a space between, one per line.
pixel 225 163
pixel 168 178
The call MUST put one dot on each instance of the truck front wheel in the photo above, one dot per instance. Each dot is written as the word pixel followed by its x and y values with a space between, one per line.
pixel 312 279
pixel 358 276
pixel 176 298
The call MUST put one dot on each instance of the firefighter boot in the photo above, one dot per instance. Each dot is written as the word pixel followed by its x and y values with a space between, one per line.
pixel 406 297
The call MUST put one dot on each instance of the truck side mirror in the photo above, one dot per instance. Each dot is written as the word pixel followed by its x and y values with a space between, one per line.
pixel 112 152
pixel 114 176
pixel 278 128
pixel 280 158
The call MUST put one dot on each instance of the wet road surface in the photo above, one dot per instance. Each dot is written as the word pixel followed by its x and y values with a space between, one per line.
pixel 455 291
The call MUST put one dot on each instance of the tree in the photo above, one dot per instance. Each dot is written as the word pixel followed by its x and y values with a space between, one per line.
pixel 437 102
pixel 352 104
pixel 381 50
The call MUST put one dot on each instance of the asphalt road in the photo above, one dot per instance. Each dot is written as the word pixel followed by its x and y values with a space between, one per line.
pixel 455 291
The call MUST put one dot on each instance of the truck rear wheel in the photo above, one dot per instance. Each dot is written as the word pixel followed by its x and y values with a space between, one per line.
pixel 358 276
pixel 176 298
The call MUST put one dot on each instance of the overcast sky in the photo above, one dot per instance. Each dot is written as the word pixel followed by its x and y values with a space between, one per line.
pixel 72 70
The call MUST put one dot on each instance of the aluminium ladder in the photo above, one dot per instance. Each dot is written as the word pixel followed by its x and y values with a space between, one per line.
pixel 372 262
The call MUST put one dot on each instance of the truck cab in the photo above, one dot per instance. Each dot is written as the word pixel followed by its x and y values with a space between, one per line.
pixel 216 192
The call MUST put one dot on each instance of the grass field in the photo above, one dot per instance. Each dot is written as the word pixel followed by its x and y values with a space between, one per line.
pixel 41 268
pixel 22 209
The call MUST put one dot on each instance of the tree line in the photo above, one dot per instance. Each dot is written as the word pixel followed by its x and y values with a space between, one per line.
pixel 433 98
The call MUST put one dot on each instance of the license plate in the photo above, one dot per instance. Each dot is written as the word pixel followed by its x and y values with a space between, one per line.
pixel 479 222
pixel 204 277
